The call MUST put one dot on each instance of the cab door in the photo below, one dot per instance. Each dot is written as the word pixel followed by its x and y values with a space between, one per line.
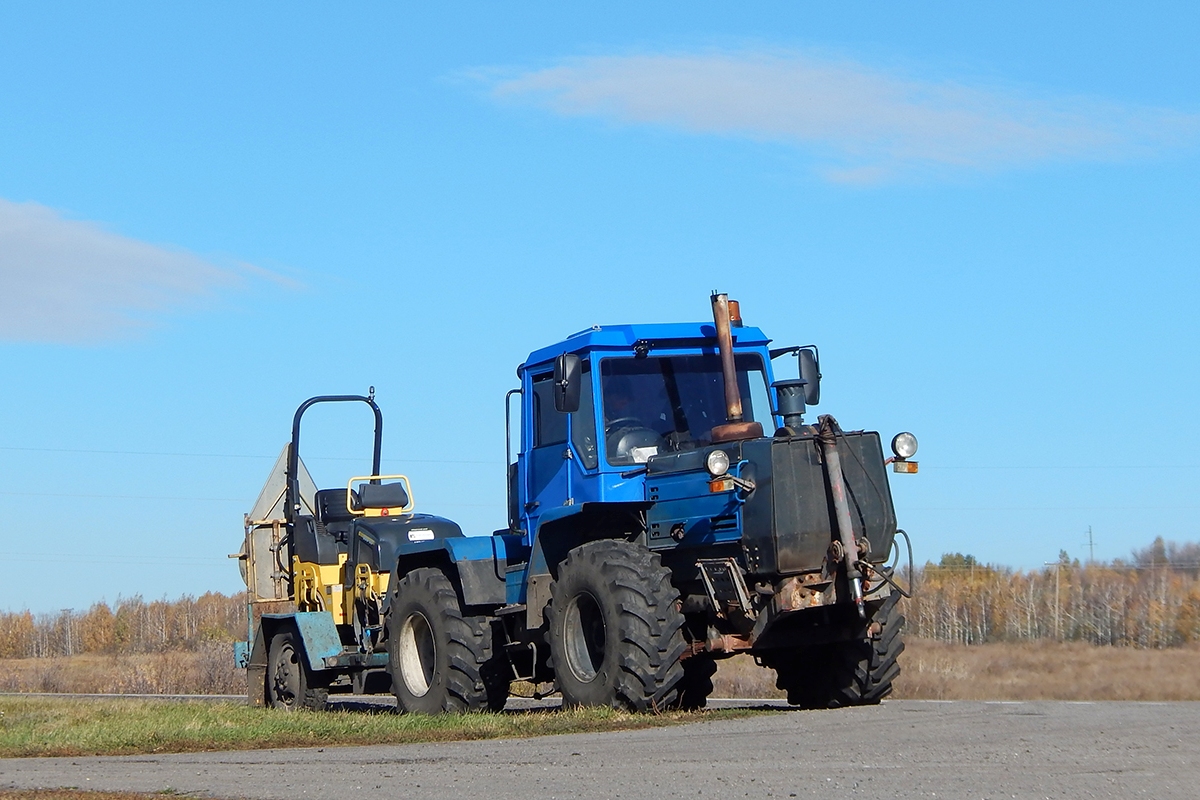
pixel 558 463
pixel 547 452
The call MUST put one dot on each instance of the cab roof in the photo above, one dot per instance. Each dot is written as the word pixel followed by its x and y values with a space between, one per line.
pixel 675 335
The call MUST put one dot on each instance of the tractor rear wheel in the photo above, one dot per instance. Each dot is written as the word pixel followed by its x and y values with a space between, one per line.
pixel 697 685
pixel 804 673
pixel 440 658
pixel 616 632
pixel 290 682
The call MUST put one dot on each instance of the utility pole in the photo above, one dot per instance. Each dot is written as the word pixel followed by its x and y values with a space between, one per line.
pixel 1091 543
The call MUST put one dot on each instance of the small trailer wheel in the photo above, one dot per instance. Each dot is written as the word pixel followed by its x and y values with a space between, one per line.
pixel 290 683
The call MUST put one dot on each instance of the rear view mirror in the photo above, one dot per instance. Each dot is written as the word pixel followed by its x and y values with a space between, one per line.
pixel 810 371
pixel 567 376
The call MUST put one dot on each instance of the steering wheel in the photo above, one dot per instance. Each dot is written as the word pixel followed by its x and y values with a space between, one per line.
pixel 623 422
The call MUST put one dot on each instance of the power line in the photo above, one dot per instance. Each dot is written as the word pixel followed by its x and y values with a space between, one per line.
pixel 1064 467
pixel 980 567
pixel 149 497
pixel 128 452
pixel 84 558
pixel 1053 508
pixel 495 462
pixel 127 497
pixel 490 505
pixel 393 460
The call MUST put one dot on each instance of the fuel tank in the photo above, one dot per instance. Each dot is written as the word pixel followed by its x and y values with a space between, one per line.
pixel 789 520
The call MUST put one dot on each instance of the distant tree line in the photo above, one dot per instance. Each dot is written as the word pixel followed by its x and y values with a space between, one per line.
pixel 130 625
pixel 1151 600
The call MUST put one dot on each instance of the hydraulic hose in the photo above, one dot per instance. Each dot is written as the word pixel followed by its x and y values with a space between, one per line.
pixel 827 431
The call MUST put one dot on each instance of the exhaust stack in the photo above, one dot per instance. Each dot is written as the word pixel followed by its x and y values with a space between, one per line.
pixel 735 428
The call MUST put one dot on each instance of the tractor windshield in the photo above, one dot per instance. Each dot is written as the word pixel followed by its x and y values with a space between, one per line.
pixel 667 403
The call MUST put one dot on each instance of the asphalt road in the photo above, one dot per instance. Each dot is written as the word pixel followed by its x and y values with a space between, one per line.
pixel 898 749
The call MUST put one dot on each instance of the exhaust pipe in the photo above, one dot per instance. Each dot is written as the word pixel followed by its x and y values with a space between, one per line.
pixel 735 427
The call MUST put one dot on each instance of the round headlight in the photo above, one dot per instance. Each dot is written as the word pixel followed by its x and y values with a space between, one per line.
pixel 904 445
pixel 717 463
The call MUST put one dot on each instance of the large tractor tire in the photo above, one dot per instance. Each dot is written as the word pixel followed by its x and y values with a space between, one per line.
pixel 854 673
pixel 290 683
pixel 616 632
pixel 866 670
pixel 440 658
pixel 805 674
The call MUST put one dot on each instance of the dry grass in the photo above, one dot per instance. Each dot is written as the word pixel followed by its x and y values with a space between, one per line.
pixel 930 671
pixel 1019 671
pixel 208 670
pixel 1047 671
pixel 741 677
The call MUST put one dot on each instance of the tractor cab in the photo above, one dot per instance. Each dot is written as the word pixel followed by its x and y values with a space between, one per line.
pixel 599 406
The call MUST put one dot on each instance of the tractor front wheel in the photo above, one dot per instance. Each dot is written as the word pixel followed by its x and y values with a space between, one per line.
pixel 440 658
pixel 854 673
pixel 864 671
pixel 616 632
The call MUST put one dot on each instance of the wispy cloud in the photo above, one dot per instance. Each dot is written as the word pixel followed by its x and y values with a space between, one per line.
pixel 64 280
pixel 862 124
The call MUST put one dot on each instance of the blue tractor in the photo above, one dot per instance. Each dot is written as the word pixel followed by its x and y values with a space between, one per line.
pixel 668 506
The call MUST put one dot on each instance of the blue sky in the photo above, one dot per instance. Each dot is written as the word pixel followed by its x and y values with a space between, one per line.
pixel 986 218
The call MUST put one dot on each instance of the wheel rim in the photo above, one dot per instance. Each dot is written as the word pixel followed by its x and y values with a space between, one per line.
pixel 583 637
pixel 417 654
pixel 285 677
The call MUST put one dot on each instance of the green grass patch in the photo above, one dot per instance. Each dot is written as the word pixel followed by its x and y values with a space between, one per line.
pixel 73 727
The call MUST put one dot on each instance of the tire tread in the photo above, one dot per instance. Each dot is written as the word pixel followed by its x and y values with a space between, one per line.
pixel 856 673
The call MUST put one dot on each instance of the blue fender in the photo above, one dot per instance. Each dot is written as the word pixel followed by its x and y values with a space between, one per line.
pixel 537 558
pixel 318 636
pixel 479 562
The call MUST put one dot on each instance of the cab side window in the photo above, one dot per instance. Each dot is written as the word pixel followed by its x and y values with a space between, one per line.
pixel 549 426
